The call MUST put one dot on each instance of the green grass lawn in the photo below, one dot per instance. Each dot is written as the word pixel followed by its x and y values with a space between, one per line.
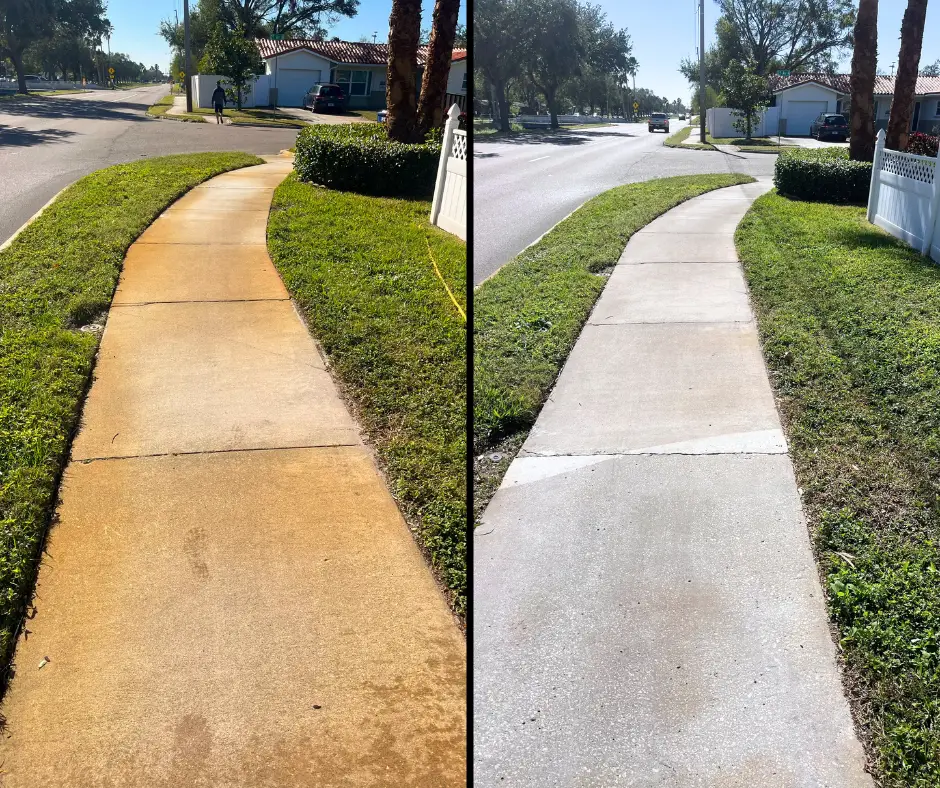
pixel 359 268
pixel 56 276
pixel 527 316
pixel 368 114
pixel 676 140
pixel 159 109
pixel 850 325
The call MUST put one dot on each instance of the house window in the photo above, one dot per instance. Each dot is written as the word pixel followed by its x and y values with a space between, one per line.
pixel 354 83
pixel 463 88
pixel 936 112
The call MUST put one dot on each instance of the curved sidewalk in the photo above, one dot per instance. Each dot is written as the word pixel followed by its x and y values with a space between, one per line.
pixel 647 609
pixel 230 597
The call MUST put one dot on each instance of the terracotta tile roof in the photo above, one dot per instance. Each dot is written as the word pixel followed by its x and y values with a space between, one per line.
pixel 841 83
pixel 341 51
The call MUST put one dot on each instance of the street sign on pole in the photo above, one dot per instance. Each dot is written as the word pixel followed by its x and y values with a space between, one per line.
pixel 636 105
pixel 783 73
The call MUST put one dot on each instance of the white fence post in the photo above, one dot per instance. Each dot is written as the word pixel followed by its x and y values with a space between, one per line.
pixel 875 186
pixel 453 118
pixel 933 210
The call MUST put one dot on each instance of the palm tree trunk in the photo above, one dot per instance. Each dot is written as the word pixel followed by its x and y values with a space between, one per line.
pixel 437 70
pixel 862 131
pixel 400 89
pixel 912 37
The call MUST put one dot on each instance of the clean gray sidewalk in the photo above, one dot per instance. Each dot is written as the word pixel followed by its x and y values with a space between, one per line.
pixel 647 609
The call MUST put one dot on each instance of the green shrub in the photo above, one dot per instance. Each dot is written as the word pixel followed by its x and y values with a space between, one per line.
pixel 823 175
pixel 359 157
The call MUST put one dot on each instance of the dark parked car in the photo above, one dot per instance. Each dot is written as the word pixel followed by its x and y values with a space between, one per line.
pixel 829 126
pixel 659 120
pixel 321 98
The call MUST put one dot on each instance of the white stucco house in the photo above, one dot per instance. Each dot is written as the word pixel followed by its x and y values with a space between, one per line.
pixel 802 97
pixel 294 66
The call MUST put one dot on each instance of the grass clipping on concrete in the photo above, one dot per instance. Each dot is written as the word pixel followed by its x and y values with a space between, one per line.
pixel 58 275
pixel 360 269
pixel 850 325
pixel 527 317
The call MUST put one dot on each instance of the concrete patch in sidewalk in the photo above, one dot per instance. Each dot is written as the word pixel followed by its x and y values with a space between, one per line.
pixel 244 619
pixel 655 621
pixel 679 248
pixel 209 377
pixel 197 272
pixel 673 292
pixel 628 388
pixel 220 226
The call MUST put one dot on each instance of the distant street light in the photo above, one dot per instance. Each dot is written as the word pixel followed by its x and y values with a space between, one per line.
pixel 374 35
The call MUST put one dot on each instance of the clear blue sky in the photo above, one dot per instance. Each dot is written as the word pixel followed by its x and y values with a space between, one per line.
pixel 136 24
pixel 664 31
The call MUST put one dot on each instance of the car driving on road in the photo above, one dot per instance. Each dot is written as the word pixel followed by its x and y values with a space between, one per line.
pixel 829 126
pixel 659 120
pixel 324 98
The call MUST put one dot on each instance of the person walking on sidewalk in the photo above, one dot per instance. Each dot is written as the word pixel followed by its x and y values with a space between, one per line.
pixel 218 101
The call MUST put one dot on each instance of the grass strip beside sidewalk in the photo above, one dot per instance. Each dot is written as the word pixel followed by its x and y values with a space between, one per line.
pixel 850 326
pixel 57 276
pixel 360 270
pixel 528 316
pixel 678 139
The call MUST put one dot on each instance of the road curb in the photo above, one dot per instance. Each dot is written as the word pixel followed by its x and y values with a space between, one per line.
pixel 34 217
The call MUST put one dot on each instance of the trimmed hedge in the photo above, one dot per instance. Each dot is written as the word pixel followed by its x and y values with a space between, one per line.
pixel 359 157
pixel 822 175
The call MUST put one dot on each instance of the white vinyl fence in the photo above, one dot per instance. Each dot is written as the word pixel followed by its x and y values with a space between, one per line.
pixel 720 122
pixel 449 208
pixel 904 197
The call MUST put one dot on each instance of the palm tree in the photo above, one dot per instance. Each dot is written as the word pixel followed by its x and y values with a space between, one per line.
pixel 864 58
pixel 400 89
pixel 912 37
pixel 440 50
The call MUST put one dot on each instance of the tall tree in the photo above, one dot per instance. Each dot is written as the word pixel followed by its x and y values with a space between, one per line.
pixel 556 50
pixel 746 93
pixel 400 88
pixel 864 61
pixel 791 34
pixel 912 38
pixel 437 70
pixel 933 70
pixel 498 45
pixel 26 22
pixel 235 56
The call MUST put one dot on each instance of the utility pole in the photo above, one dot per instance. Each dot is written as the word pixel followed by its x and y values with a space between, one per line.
pixel 110 81
pixel 186 61
pixel 701 69
pixel 374 35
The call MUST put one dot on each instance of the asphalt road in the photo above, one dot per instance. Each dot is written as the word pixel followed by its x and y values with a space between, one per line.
pixel 46 143
pixel 524 185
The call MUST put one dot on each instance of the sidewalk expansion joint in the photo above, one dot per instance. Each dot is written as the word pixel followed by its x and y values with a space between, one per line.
pixel 673 323
pixel 681 262
pixel 201 301
pixel 88 460
pixel 600 453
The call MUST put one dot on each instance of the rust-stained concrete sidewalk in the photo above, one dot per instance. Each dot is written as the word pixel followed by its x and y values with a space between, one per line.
pixel 230 596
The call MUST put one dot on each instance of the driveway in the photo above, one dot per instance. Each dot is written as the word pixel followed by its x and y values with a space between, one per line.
pixel 320 117
pixel 809 142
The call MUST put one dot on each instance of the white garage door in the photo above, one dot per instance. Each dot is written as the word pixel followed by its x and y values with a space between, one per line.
pixel 801 113
pixel 293 84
